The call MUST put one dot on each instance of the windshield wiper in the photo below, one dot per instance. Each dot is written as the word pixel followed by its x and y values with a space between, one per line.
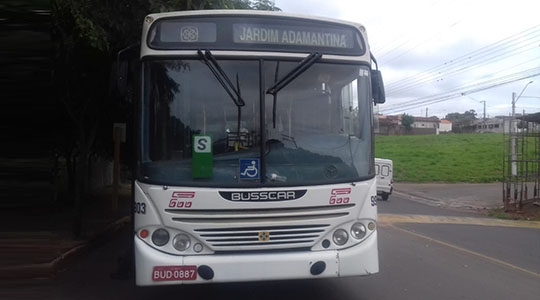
pixel 288 78
pixel 294 73
pixel 234 92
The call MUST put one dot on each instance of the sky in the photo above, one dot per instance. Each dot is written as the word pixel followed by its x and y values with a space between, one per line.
pixel 444 56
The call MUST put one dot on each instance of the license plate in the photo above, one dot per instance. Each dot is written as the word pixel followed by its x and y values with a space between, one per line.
pixel 174 273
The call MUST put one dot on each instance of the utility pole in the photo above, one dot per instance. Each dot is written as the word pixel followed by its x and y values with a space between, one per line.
pixel 513 105
pixel 513 136
pixel 484 109
pixel 513 129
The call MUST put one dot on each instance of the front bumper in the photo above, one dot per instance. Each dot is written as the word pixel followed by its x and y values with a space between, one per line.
pixel 384 190
pixel 361 259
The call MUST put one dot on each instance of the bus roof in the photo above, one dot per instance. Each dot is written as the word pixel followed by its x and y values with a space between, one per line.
pixel 252 30
pixel 244 12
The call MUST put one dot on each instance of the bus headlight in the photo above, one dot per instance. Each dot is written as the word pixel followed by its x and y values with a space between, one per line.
pixel 340 237
pixel 358 231
pixel 181 242
pixel 160 237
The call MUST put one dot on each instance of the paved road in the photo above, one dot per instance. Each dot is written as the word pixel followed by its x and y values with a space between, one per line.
pixel 435 254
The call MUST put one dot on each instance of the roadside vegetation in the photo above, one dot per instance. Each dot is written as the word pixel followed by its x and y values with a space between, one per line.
pixel 452 158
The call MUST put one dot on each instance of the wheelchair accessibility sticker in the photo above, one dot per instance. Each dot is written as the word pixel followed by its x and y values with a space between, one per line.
pixel 249 168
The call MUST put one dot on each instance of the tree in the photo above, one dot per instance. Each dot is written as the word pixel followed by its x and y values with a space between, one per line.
pixel 175 5
pixel 462 122
pixel 80 73
pixel 264 5
pixel 407 121
pixel 87 36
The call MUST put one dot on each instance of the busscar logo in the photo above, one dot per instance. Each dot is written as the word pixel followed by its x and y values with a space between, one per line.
pixel 263 195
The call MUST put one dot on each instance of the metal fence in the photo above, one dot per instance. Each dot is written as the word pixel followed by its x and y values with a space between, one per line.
pixel 521 163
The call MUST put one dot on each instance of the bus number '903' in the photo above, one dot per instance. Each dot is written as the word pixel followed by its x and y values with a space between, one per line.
pixel 139 208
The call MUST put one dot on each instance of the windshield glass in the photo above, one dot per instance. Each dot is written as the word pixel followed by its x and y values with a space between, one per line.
pixel 315 130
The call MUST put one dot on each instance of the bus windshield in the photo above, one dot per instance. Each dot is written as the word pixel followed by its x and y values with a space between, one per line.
pixel 316 129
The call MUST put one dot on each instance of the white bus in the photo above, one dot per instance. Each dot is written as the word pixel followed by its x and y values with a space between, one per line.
pixel 255 155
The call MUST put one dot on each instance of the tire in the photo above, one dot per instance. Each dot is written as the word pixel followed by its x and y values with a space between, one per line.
pixel 385 196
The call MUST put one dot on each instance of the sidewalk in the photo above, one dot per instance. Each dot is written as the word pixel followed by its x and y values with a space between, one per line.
pixel 38 241
pixel 482 196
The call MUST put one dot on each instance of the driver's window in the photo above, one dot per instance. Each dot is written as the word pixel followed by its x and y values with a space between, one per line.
pixel 349 100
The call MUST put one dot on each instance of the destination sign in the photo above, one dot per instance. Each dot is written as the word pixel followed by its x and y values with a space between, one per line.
pixel 287 35
pixel 256 33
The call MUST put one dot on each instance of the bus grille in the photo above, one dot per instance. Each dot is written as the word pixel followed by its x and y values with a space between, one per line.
pixel 260 229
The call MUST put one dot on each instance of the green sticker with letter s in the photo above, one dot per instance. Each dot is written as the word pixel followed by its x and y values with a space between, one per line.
pixel 202 164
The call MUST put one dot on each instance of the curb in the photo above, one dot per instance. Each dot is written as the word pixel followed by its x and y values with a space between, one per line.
pixel 425 200
pixel 49 269
pixel 432 201
pixel 390 219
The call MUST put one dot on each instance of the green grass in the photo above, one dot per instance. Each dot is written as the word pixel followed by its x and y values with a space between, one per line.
pixel 470 158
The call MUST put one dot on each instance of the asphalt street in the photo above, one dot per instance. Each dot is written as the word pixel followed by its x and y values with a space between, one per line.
pixel 445 254
pixel 429 248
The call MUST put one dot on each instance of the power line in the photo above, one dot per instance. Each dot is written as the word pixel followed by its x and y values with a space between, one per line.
pixel 403 53
pixel 465 90
pixel 459 68
pixel 383 53
pixel 489 53
pixel 524 41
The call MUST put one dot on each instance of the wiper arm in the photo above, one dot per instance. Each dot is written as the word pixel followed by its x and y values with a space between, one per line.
pixel 274 106
pixel 234 92
pixel 209 59
pixel 294 73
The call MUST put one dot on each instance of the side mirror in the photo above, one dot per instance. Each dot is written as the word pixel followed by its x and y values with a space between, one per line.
pixel 377 87
pixel 121 78
pixel 124 70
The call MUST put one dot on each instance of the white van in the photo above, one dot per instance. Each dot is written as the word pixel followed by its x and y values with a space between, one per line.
pixel 384 170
